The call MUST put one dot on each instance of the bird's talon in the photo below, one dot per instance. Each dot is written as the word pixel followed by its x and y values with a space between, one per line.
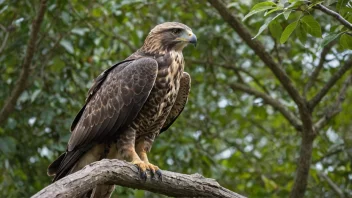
pixel 142 169
pixel 143 175
pixel 152 174
pixel 158 172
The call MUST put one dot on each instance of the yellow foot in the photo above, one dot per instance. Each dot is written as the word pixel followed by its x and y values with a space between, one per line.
pixel 154 169
pixel 144 166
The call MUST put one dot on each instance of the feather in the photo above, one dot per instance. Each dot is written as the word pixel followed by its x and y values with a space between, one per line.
pixel 181 100
pixel 109 107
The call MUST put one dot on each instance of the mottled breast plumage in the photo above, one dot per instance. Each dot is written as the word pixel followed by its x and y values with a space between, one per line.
pixel 129 104
pixel 163 95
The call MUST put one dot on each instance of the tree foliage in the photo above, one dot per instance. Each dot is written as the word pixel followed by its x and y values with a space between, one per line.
pixel 246 141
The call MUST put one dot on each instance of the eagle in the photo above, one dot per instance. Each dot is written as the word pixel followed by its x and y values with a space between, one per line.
pixel 129 105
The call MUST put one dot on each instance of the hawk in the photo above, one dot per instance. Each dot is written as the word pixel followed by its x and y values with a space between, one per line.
pixel 129 105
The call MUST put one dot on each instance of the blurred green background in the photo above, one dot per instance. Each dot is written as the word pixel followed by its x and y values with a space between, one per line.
pixel 223 133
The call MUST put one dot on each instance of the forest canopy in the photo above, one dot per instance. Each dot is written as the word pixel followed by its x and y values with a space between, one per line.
pixel 269 110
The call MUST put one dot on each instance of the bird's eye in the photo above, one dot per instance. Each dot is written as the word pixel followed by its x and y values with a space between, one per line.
pixel 176 31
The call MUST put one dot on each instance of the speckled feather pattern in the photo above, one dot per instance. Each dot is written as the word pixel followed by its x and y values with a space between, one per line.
pixel 128 105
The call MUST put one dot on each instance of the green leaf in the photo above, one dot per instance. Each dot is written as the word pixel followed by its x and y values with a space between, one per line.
pixel 295 1
pixel 287 14
pixel 346 41
pixel 35 94
pixel 273 10
pixel 336 28
pixel 260 7
pixel 346 12
pixel 275 29
pixel 58 64
pixel 326 40
pixel 80 31
pixel 262 28
pixel 341 4
pixel 67 45
pixel 312 26
pixel 97 12
pixel 269 184
pixel 314 3
pixel 288 31
pixel 265 25
pixel 329 2
pixel 282 2
pixel 295 4
pixel 301 33
pixel 7 144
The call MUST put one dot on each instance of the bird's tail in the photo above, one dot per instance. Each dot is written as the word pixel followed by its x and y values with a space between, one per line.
pixel 54 167
pixel 65 164
pixel 72 161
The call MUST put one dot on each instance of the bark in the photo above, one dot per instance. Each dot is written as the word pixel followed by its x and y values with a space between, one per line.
pixel 334 14
pixel 125 174
pixel 313 77
pixel 21 83
pixel 303 166
pixel 308 132
pixel 331 82
pixel 3 45
pixel 336 107
pixel 259 50
pixel 333 186
pixel 290 117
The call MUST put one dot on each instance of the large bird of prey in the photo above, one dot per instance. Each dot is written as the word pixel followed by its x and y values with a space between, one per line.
pixel 129 105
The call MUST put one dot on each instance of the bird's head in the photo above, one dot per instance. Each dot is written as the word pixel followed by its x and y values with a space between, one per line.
pixel 169 36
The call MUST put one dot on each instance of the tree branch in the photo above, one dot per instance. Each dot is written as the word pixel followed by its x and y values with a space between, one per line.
pixel 2 47
pixel 259 50
pixel 328 155
pixel 320 95
pixel 277 52
pixel 125 174
pixel 317 69
pixel 115 36
pixel 21 83
pixel 334 14
pixel 336 107
pixel 337 190
pixel 119 38
pixel 256 80
pixel 271 101
pixel 231 67
pixel 308 135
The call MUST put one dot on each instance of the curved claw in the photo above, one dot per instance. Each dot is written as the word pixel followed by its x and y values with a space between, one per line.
pixel 142 169
pixel 154 170
pixel 152 174
pixel 160 175
pixel 144 166
pixel 143 175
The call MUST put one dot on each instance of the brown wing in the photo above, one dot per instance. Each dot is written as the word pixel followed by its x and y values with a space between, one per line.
pixel 116 103
pixel 181 100
pixel 112 106
pixel 95 87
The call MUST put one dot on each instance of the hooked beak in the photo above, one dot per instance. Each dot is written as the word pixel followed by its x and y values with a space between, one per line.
pixel 192 39
pixel 188 37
